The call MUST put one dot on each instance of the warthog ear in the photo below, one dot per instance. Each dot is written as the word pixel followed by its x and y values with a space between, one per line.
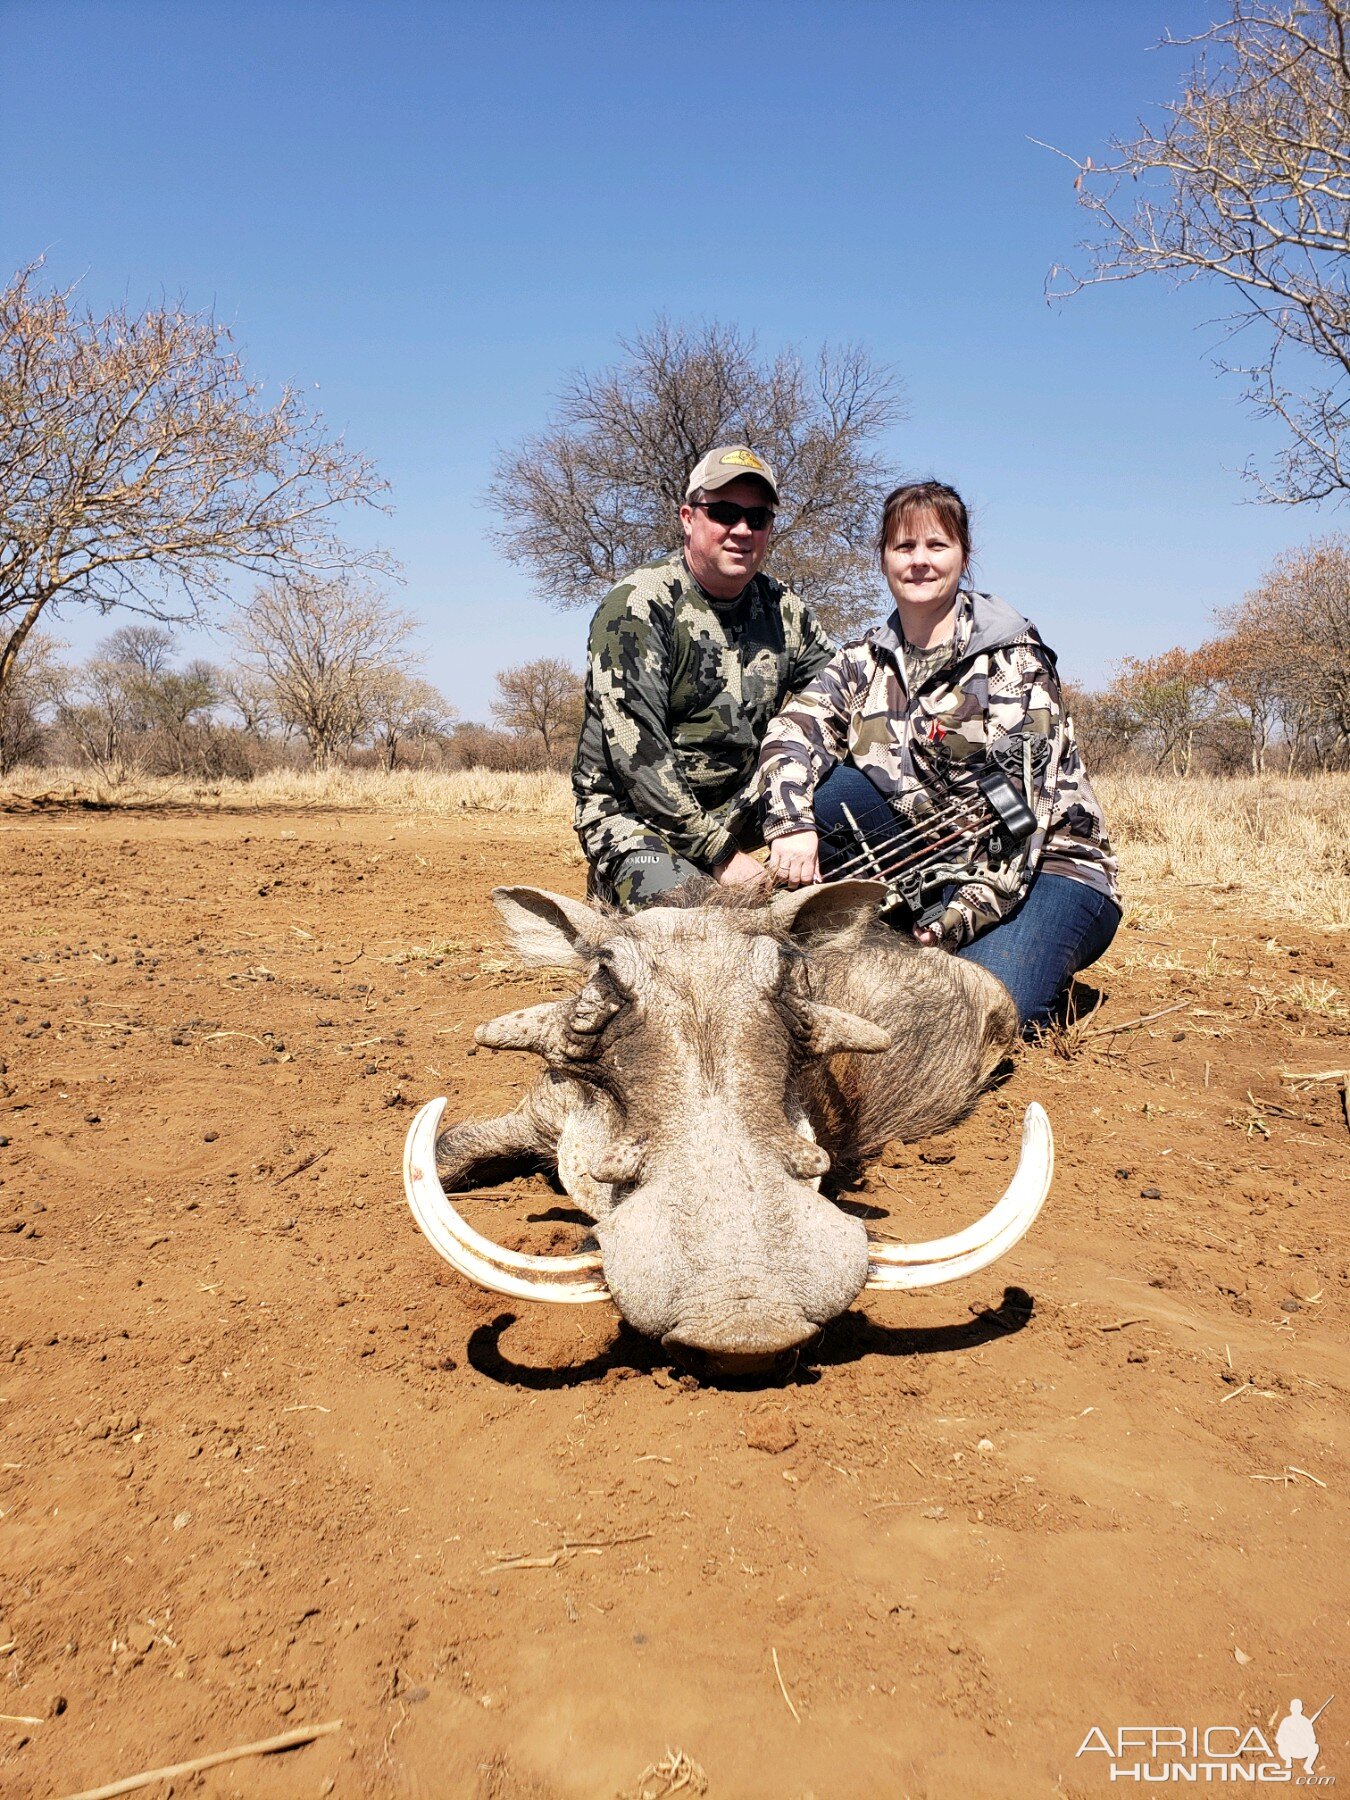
pixel 826 1030
pixel 547 930
pixel 829 908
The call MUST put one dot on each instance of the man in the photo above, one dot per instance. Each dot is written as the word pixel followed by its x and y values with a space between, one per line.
pixel 689 659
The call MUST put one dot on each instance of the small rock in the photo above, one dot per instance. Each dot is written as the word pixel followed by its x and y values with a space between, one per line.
pixel 1289 1304
pixel 1124 1174
pixel 56 1705
pixel 415 1695
pixel 92 1119
pixel 209 1137
pixel 285 1702
pixel 181 1519
pixel 1150 1193
pixel 985 1444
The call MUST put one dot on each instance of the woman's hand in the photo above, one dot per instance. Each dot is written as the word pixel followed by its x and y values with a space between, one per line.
pixel 943 933
pixel 794 860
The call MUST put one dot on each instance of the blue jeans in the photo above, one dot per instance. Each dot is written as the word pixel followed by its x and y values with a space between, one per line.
pixel 1056 929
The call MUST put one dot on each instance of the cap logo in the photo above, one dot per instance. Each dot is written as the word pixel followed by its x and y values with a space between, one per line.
pixel 745 459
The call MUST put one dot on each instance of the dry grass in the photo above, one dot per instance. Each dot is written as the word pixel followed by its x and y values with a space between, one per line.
pixel 1283 844
pixel 1280 842
pixel 540 793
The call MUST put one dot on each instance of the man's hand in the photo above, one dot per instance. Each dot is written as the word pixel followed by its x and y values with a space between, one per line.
pixel 794 860
pixel 737 869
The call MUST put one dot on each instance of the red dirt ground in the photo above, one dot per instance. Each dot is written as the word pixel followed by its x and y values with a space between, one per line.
pixel 264 1458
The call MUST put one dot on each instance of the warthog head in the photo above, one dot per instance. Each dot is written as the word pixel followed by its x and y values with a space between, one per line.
pixel 689 1084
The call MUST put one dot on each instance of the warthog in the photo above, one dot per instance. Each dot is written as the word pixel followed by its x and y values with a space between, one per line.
pixel 721 1055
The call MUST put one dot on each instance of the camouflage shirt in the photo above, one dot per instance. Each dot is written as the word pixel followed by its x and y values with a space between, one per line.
pixel 997 687
pixel 679 690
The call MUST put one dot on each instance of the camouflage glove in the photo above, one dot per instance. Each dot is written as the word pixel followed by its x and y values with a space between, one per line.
pixel 948 931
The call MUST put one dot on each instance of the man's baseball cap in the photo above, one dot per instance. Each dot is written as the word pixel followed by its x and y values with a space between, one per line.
pixel 729 463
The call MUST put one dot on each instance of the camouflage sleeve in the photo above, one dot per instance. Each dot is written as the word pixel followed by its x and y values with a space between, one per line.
pixel 629 677
pixel 1024 703
pixel 812 648
pixel 806 740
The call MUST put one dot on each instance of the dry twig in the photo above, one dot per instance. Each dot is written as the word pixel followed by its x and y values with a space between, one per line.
pixel 676 1773
pixel 782 1686
pixel 306 1162
pixel 1129 1024
pixel 302 1734
pixel 579 1547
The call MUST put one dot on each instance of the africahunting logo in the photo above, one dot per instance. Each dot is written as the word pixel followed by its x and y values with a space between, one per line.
pixel 1196 1753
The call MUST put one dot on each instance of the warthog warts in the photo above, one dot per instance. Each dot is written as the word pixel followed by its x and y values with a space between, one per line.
pixel 720 1057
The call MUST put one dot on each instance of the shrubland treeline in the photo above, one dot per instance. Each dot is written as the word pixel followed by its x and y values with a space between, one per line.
pixel 319 682
pixel 324 674
pixel 1270 692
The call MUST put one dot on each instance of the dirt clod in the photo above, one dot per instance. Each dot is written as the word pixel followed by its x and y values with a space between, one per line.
pixel 773 1432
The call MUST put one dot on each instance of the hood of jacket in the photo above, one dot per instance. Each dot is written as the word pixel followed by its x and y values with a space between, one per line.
pixel 983 622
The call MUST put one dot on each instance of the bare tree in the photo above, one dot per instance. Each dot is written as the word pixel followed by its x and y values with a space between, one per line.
pixel 598 492
pixel 1248 671
pixel 139 463
pixel 400 707
pixel 101 713
pixel 541 700
pixel 318 647
pixel 249 697
pixel 1168 699
pixel 476 746
pixel 1301 611
pixel 144 648
pixel 28 700
pixel 1103 724
pixel 1246 185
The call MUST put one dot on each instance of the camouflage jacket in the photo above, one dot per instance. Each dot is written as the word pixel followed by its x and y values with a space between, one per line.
pixel 679 690
pixel 998 686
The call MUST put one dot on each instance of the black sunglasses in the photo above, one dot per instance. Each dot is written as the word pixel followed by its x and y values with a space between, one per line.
pixel 726 512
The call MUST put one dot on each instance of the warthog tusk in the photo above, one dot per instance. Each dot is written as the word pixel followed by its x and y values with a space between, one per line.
pixel 968 1251
pixel 565 1280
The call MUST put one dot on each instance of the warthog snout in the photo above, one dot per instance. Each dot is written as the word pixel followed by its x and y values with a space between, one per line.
pixel 732 1258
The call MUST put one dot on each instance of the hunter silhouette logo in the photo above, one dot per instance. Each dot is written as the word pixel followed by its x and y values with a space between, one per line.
pixel 1209 1753
pixel 1295 1739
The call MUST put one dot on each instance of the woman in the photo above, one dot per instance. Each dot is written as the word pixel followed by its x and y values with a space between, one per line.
pixel 896 732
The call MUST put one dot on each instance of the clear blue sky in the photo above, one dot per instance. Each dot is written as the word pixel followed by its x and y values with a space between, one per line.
pixel 429 213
